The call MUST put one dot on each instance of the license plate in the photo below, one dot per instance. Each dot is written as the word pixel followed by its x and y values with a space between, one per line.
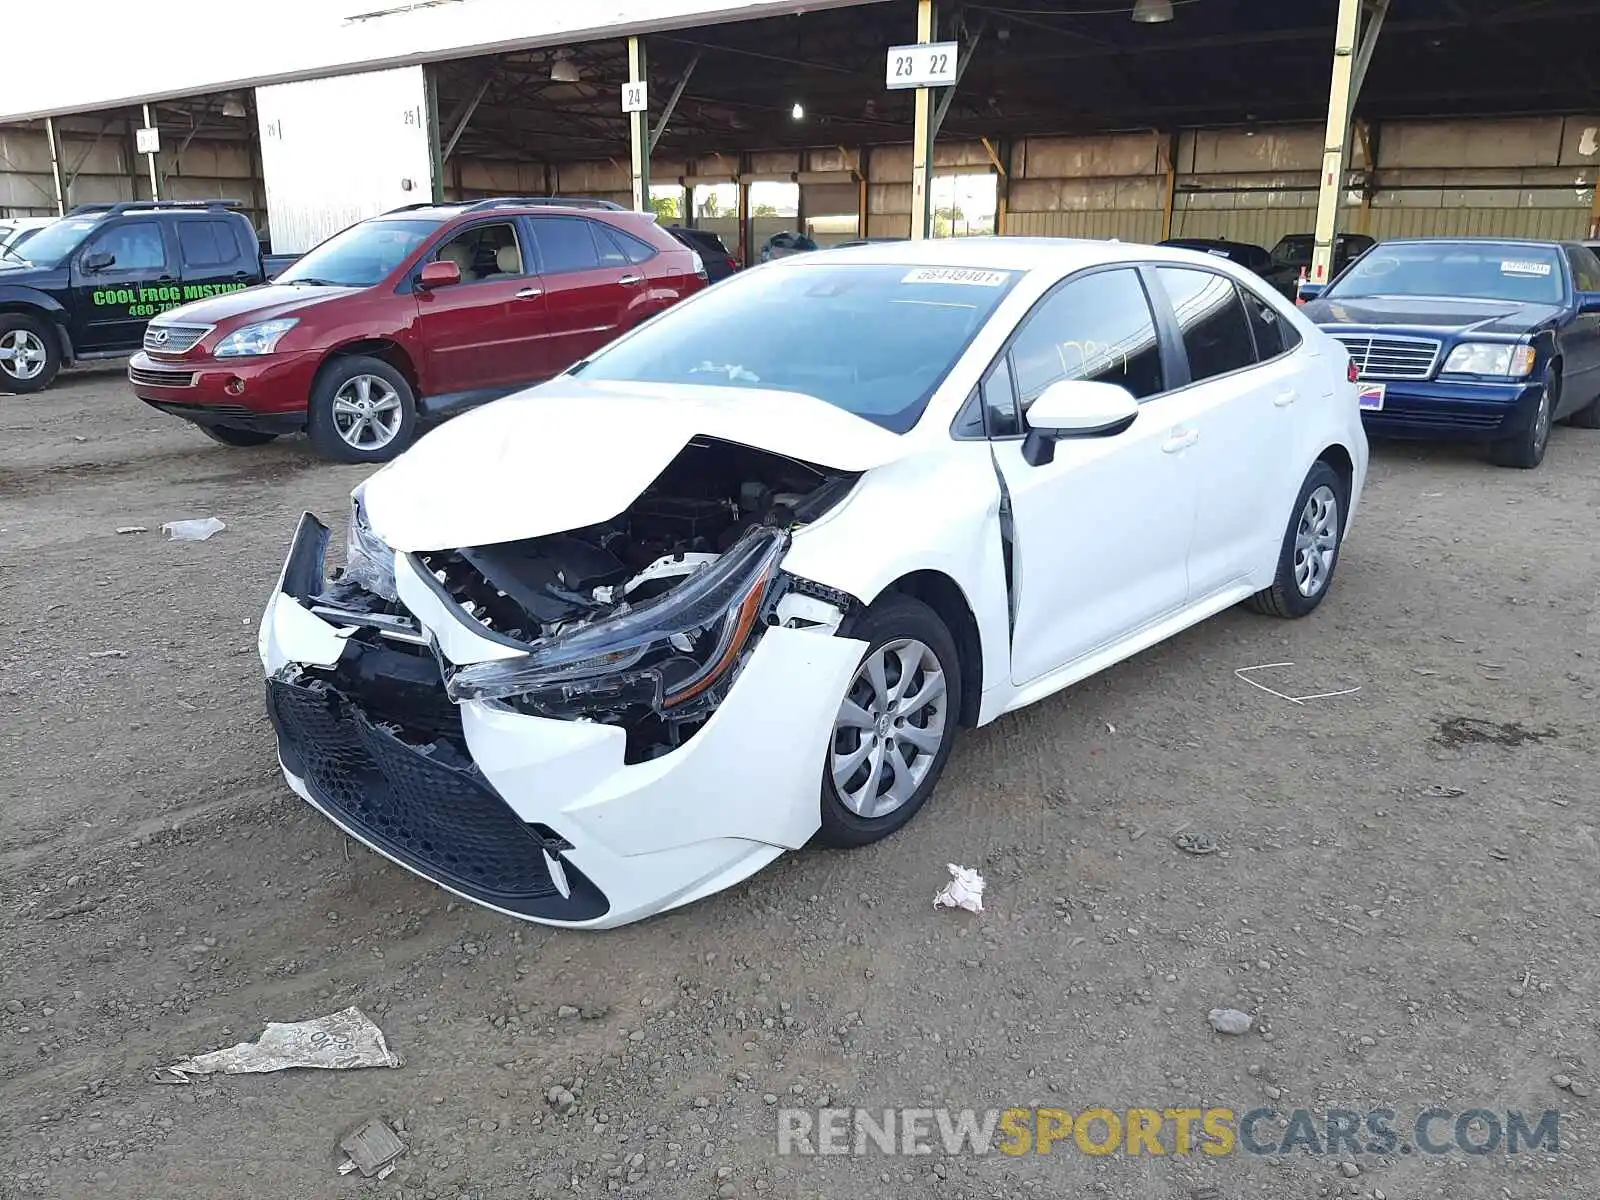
pixel 1370 397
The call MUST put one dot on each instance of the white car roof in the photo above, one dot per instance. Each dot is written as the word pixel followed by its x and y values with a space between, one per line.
pixel 1054 256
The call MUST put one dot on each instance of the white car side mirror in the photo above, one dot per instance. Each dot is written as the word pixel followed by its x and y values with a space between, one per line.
pixel 1076 408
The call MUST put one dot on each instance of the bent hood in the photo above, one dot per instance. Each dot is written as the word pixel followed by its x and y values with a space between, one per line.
pixel 1442 315
pixel 261 303
pixel 569 454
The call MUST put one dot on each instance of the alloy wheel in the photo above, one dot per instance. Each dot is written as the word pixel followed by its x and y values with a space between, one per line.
pixel 367 412
pixel 890 727
pixel 1316 540
pixel 1541 420
pixel 22 354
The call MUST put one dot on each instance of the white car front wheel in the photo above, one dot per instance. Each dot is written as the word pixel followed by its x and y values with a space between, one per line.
pixel 896 723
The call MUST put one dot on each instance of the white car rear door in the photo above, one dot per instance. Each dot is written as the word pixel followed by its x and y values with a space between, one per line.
pixel 1244 422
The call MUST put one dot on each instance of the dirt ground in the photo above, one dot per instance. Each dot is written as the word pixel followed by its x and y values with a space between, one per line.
pixel 1405 899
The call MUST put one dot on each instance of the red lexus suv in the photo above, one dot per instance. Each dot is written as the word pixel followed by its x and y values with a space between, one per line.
pixel 410 314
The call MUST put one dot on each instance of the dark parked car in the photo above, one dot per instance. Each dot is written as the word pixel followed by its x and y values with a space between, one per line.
pixel 719 261
pixel 1292 256
pixel 1471 338
pixel 1248 255
pixel 420 311
pixel 85 286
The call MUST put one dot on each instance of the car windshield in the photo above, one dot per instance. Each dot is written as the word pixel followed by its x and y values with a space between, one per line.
pixel 1465 270
pixel 52 244
pixel 872 339
pixel 362 255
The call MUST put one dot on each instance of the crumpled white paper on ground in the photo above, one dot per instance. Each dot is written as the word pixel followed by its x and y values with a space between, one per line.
pixel 192 531
pixel 337 1042
pixel 965 890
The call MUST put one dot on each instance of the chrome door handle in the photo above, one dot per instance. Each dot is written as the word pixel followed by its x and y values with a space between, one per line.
pixel 1285 398
pixel 1180 439
pixel 529 293
pixel 631 279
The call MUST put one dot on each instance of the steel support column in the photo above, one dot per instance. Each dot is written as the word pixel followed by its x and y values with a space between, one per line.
pixel 150 159
pixel 436 151
pixel 1000 158
pixel 922 138
pixel 1167 149
pixel 863 190
pixel 1349 66
pixel 55 166
pixel 741 207
pixel 639 130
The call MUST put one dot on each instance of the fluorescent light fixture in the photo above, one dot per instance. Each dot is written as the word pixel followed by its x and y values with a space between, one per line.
pixel 1152 12
pixel 563 69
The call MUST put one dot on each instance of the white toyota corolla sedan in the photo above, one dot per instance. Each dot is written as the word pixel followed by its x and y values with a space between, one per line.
pixel 736 582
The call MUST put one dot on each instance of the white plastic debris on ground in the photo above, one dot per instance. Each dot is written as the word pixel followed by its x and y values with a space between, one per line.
pixel 965 890
pixel 1230 1020
pixel 192 531
pixel 339 1041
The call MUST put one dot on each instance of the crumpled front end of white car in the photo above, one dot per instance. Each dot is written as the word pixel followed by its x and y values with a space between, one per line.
pixel 580 728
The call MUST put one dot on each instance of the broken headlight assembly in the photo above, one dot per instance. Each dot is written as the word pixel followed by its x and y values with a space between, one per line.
pixel 368 562
pixel 664 654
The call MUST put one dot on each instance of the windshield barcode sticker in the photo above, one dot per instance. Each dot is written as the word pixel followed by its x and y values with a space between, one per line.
pixel 1516 267
pixel 965 275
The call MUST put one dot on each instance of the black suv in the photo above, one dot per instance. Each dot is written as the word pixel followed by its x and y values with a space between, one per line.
pixel 84 287
pixel 719 262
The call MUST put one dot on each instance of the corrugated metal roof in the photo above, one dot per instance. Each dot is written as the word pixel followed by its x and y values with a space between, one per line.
pixel 132 54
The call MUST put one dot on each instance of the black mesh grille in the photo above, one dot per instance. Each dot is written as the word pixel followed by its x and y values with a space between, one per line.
pixel 424 805
pixel 152 377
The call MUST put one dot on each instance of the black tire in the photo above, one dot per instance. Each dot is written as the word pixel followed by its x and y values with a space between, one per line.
pixel 1526 450
pixel 36 331
pixel 1285 597
pixel 323 428
pixel 237 437
pixel 893 618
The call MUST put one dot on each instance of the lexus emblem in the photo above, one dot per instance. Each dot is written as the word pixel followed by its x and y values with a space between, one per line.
pixel 159 337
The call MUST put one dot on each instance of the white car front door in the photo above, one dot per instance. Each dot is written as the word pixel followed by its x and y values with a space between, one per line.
pixel 1243 414
pixel 1100 534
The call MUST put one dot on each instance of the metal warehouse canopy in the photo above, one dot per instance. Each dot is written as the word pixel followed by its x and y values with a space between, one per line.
pixel 128 55
pixel 1035 67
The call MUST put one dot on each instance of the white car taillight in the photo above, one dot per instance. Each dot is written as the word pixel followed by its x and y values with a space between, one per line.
pixel 699 263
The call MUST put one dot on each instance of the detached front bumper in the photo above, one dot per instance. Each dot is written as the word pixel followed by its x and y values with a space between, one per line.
pixel 537 818
pixel 1465 411
pixel 267 394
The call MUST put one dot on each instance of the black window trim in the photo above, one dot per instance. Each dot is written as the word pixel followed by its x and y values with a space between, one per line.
pixel 1283 321
pixel 531 220
pixel 976 395
pixel 1572 252
pixel 1174 330
pixel 622 238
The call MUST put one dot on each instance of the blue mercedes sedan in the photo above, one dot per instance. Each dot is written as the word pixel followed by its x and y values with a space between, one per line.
pixel 1482 339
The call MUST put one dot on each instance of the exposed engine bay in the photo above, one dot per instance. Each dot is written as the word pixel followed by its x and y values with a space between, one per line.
pixel 641 621
pixel 710 496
